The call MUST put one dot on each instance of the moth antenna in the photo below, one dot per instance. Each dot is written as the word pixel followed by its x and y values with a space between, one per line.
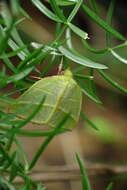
pixel 60 66
pixel 38 78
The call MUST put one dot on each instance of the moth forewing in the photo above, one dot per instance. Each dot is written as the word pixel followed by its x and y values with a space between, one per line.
pixel 63 96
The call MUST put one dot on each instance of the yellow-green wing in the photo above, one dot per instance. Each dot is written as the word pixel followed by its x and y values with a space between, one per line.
pixel 63 96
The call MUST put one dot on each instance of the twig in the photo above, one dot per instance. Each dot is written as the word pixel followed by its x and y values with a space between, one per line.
pixel 68 173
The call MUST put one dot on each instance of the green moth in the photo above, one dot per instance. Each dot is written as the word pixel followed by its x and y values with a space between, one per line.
pixel 63 95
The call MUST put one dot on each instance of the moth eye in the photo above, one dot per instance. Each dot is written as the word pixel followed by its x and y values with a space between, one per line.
pixel 63 96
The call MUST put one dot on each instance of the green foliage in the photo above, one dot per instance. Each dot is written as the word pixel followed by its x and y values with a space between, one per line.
pixel 85 180
pixel 28 58
pixel 105 132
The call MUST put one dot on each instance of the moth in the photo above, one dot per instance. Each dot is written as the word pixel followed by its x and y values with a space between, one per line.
pixel 63 96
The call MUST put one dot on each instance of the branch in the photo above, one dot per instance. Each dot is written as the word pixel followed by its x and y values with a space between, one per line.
pixel 67 173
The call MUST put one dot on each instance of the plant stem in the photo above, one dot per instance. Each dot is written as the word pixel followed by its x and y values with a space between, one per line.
pixel 47 141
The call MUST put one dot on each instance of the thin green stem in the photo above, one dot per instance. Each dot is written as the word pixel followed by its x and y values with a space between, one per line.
pixel 94 6
pixel 46 142
pixel 91 82
pixel 109 21
pixel 22 153
pixel 112 82
pixel 101 22
pixel 30 133
pixel 61 31
pixel 102 51
pixel 91 72
pixel 119 46
pixel 57 10
pixel 88 121
pixel 10 142
pixel 83 76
